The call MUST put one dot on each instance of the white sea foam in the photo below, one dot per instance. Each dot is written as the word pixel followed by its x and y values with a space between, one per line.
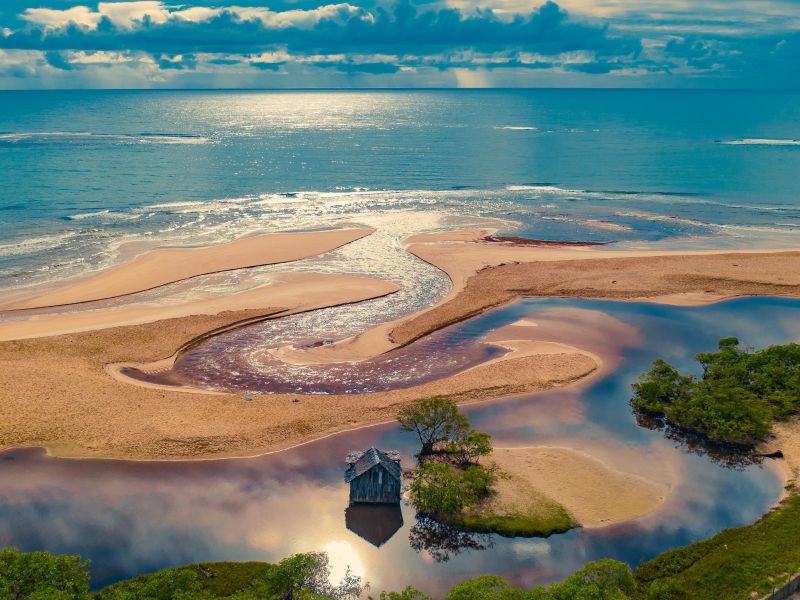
pixel 518 127
pixel 36 244
pixel 761 142
pixel 540 207
pixel 88 215
pixel 113 138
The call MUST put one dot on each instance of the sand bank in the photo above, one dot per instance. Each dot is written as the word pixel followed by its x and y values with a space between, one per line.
pixel 486 275
pixel 292 291
pixel 786 438
pixel 161 267
pixel 55 393
pixel 593 493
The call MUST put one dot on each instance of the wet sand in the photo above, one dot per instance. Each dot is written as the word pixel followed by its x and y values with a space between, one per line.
pixel 56 394
pixel 164 266
pixel 786 438
pixel 293 291
pixel 487 275
pixel 592 492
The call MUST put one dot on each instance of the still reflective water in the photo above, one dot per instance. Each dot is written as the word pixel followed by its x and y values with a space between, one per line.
pixel 134 517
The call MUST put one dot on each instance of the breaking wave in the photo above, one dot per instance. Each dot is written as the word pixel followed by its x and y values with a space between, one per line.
pixel 66 137
pixel 760 142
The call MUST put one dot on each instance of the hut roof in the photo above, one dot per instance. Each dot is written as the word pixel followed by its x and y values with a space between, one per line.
pixel 369 459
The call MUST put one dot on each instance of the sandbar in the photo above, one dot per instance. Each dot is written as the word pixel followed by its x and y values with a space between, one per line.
pixel 55 393
pixel 167 265
pixel 592 492
pixel 297 291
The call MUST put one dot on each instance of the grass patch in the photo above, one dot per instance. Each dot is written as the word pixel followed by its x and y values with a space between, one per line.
pixel 534 516
pixel 730 565
pixel 216 580
pixel 519 525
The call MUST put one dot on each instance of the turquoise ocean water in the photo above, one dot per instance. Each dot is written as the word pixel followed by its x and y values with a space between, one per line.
pixel 82 172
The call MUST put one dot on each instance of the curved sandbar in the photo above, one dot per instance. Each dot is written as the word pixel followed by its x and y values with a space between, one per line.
pixel 56 394
pixel 161 267
pixel 595 494
pixel 487 274
pixel 296 292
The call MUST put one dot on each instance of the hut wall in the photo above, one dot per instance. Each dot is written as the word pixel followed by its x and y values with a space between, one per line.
pixel 376 486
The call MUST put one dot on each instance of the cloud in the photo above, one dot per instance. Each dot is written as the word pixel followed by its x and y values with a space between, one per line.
pixel 153 27
pixel 48 18
pixel 695 41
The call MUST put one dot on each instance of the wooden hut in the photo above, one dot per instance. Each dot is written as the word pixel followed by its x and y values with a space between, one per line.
pixel 375 477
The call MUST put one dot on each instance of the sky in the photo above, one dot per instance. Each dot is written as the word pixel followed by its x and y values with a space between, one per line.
pixel 400 43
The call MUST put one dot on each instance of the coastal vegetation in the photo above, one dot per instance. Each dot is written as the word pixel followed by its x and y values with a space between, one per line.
pixel 740 394
pixel 44 576
pixel 454 482
pixel 733 565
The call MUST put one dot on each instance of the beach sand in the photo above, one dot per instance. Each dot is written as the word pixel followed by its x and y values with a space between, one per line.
pixel 57 393
pixel 161 267
pixel 294 291
pixel 592 492
pixel 487 275
pixel 786 438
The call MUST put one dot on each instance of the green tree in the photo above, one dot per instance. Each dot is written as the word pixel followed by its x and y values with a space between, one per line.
pixel 410 593
pixel 492 587
pixel 604 579
pixel 468 445
pixel 724 412
pixel 660 387
pixel 740 395
pixel 42 576
pixel 435 420
pixel 439 488
pixel 307 577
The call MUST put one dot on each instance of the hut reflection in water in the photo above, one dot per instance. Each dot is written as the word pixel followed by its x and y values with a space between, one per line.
pixel 376 523
pixel 375 479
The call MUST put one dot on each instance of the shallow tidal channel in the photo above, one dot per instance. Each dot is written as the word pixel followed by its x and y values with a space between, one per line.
pixel 129 518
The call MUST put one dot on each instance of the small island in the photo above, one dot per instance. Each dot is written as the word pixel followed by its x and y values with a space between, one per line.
pixel 455 482
pixel 740 395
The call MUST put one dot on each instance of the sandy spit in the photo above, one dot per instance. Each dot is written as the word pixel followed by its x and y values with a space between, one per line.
pixel 490 275
pixel 161 267
pixel 55 393
pixel 595 494
pixel 300 291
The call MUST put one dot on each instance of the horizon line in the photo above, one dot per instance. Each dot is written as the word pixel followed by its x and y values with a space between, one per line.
pixel 398 89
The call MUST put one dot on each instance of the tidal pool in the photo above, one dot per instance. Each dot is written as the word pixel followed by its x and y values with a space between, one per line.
pixel 129 518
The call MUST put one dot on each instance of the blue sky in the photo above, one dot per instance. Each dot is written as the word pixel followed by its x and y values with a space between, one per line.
pixel 402 43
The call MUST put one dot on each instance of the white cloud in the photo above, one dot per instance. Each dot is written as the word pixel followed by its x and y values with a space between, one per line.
pixel 127 14
pixel 197 14
pixel 50 18
pixel 301 19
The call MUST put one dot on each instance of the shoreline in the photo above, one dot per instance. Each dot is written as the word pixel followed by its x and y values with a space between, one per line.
pixel 68 373
pixel 157 268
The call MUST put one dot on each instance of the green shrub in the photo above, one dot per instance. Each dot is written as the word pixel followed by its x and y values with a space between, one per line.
pixel 740 395
pixel 440 488
pixel 42 576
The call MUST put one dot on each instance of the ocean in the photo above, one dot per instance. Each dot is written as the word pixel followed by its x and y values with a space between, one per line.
pixel 82 173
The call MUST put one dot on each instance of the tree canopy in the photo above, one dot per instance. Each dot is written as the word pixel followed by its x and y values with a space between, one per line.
pixel 736 400
pixel 435 420
pixel 42 576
